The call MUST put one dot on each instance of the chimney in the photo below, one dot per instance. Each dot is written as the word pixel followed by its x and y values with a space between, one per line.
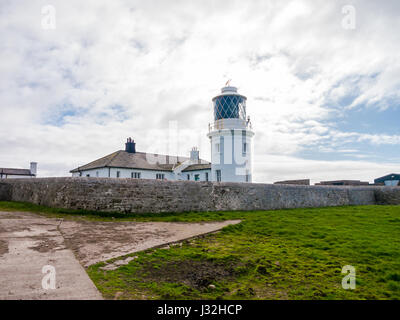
pixel 130 146
pixel 194 154
pixel 34 168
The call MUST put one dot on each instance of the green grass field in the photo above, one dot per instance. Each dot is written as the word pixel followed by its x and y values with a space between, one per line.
pixel 283 254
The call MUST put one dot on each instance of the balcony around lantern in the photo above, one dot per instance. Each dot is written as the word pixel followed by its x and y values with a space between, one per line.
pixel 231 124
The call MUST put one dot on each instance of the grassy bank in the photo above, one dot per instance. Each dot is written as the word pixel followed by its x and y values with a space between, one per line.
pixel 283 254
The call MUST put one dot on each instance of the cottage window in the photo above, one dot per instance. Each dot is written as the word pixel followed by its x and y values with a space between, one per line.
pixel 135 175
pixel 160 176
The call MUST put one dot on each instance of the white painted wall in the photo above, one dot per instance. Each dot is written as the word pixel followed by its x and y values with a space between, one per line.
pixel 392 183
pixel 230 159
pixel 124 173
pixel 16 177
pixel 201 173
pixel 144 174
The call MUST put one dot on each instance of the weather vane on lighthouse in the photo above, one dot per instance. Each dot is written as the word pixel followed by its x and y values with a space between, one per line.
pixel 228 83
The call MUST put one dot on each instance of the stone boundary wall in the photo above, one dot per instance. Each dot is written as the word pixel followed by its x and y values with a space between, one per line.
pixel 145 196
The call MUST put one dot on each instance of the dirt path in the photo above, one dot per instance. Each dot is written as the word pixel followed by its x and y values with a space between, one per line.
pixel 28 242
pixel 93 242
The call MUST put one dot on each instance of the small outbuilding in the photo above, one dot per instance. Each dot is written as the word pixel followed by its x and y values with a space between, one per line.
pixel 343 183
pixel 301 182
pixel 392 179
pixel 12 173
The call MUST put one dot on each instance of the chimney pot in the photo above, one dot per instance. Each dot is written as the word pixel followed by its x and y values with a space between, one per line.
pixel 130 146
pixel 34 168
pixel 194 154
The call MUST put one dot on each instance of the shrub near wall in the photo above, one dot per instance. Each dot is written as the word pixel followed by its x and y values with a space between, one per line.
pixel 5 192
pixel 387 195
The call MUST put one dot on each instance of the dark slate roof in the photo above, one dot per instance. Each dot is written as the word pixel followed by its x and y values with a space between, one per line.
pixel 16 172
pixel 304 182
pixel 343 183
pixel 138 160
pixel 200 166
pixel 392 176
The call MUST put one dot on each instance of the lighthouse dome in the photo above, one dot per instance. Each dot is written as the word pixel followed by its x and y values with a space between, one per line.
pixel 229 104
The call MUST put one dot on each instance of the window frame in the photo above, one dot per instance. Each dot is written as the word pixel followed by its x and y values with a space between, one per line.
pixel 218 174
pixel 160 176
pixel 136 175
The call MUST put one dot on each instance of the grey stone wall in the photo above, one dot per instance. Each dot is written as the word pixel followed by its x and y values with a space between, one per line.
pixel 5 192
pixel 143 196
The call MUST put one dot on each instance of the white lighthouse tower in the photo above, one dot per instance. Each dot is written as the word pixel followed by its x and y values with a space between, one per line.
pixel 231 138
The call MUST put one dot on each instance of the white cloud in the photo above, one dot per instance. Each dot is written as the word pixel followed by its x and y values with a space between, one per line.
pixel 125 68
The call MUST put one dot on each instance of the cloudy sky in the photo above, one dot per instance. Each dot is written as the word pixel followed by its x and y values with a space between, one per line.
pixel 323 90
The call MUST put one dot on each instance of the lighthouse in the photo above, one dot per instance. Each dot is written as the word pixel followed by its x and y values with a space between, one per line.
pixel 231 138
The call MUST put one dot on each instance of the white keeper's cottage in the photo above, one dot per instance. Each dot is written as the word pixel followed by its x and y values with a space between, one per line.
pixel 129 163
pixel 231 151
